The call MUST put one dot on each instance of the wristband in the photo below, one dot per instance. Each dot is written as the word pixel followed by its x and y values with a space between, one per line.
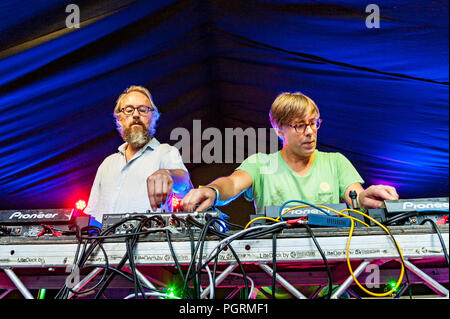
pixel 216 191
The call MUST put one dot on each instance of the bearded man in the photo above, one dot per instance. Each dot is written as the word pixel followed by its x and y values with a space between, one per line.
pixel 144 173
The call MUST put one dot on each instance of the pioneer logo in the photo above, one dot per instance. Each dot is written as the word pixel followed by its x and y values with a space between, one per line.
pixel 304 211
pixel 19 215
pixel 425 206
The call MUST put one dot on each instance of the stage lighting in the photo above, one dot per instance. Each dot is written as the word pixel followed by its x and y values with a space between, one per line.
pixel 80 205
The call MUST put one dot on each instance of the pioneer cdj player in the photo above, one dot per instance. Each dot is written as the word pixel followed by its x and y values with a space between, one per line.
pixel 43 222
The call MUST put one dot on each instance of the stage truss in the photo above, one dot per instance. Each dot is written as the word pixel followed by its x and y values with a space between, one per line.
pixel 34 263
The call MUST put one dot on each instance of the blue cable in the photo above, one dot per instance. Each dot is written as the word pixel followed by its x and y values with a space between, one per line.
pixel 299 201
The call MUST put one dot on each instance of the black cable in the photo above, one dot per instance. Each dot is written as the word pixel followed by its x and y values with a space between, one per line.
pixel 129 246
pixel 122 261
pixel 229 224
pixel 100 281
pixel 405 215
pixel 96 240
pixel 438 232
pixel 212 231
pixel 196 275
pixel 78 262
pixel 265 231
pixel 244 275
pixel 174 256
pixel 205 229
pixel 102 236
pixel 201 241
pixel 192 264
pixel 330 276
pixel 402 261
pixel 241 266
pixel 132 238
pixel 202 235
pixel 244 236
pixel 62 293
pixel 125 275
pixel 276 228
pixel 214 276
pixel 274 263
pixel 191 239
pixel 399 217
pixel 390 221
pixel 111 277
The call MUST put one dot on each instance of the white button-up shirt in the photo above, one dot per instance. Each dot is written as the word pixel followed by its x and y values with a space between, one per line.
pixel 121 187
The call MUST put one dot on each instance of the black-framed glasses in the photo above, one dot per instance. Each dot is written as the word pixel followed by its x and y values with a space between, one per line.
pixel 142 109
pixel 301 127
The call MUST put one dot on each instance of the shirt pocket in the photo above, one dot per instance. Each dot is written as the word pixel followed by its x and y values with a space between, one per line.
pixel 325 198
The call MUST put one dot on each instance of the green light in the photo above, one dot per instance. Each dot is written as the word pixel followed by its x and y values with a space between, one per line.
pixel 41 293
pixel 171 292
pixel 392 284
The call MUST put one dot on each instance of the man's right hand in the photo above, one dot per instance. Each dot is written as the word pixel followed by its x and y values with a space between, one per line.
pixel 203 197
pixel 229 187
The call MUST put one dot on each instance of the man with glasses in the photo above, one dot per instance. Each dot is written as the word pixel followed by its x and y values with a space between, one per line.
pixel 142 175
pixel 302 172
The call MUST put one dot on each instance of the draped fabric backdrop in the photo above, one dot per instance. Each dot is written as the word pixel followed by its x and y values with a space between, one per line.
pixel 382 92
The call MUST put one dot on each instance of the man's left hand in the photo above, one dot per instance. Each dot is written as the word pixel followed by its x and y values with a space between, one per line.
pixel 374 196
pixel 159 187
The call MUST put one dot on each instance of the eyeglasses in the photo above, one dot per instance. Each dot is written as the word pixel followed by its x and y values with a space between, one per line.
pixel 301 127
pixel 142 109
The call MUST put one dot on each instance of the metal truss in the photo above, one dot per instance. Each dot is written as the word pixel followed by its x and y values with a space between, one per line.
pixel 44 264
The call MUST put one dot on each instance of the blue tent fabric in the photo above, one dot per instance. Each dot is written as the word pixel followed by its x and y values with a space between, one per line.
pixel 382 92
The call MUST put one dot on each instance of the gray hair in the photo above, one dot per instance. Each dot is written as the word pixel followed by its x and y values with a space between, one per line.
pixel 155 114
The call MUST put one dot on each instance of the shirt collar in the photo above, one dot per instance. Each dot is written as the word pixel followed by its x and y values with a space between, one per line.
pixel 152 144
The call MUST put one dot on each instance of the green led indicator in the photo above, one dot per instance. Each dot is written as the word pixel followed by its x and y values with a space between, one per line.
pixel 171 292
pixel 41 293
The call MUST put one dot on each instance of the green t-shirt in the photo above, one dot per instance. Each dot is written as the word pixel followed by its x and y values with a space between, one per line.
pixel 274 182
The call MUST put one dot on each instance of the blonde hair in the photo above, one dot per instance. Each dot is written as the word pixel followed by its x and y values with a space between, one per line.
pixel 136 88
pixel 289 106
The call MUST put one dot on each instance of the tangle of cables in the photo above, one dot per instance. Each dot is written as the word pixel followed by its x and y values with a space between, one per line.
pixel 91 241
pixel 343 213
pixel 189 276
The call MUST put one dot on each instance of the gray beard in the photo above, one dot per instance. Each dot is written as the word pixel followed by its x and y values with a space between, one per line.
pixel 136 138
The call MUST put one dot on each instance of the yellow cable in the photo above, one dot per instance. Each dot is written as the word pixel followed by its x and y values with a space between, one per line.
pixel 348 244
pixel 321 206
pixel 341 213
pixel 258 218
pixel 303 206
pixel 344 215
pixel 348 257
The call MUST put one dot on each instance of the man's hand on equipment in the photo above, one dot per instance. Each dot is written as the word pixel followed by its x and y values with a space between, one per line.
pixel 204 197
pixel 374 196
pixel 159 187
